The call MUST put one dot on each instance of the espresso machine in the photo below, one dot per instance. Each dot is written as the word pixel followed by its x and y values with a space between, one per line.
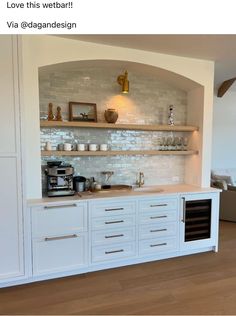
pixel 59 179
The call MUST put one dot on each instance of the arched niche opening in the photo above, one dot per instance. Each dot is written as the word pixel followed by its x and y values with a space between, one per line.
pixel 152 91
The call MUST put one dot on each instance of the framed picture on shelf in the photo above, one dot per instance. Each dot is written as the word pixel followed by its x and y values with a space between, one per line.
pixel 82 112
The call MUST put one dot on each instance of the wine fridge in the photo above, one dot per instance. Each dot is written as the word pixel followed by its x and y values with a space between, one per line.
pixel 198 220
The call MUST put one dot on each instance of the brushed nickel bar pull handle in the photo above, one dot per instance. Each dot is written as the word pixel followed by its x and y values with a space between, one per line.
pixel 114 209
pixel 114 236
pixel 156 205
pixel 184 210
pixel 161 216
pixel 158 230
pixel 113 251
pixel 157 245
pixel 60 206
pixel 60 237
pixel 114 222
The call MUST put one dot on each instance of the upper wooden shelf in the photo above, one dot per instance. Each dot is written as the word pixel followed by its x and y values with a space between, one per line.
pixel 118 153
pixel 175 128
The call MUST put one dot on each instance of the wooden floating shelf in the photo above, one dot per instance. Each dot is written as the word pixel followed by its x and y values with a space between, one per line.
pixel 118 153
pixel 175 128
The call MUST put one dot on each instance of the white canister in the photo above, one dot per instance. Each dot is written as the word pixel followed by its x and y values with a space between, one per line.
pixel 93 147
pixel 67 147
pixel 48 146
pixel 81 147
pixel 103 147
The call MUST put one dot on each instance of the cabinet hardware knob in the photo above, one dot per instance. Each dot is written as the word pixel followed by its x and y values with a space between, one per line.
pixel 113 251
pixel 60 206
pixel 114 236
pixel 61 237
pixel 114 209
pixel 115 222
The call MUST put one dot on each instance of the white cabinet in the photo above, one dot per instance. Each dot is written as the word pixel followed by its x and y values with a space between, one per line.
pixel 11 200
pixel 199 221
pixel 113 230
pixel 59 238
pixel 158 226
pixel 77 237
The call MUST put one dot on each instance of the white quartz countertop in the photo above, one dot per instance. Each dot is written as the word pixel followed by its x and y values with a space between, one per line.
pixel 149 191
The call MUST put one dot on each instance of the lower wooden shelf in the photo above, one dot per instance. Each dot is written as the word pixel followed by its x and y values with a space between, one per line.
pixel 118 152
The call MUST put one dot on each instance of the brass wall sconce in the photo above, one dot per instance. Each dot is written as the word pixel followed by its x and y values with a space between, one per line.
pixel 124 82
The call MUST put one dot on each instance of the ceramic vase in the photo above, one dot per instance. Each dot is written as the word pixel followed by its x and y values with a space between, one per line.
pixel 111 115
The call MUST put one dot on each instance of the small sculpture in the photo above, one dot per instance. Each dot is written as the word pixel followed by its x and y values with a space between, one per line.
pixel 171 115
pixel 50 112
pixel 58 116
pixel 84 116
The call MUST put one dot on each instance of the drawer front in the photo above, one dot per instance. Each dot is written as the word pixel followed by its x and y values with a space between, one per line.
pixel 112 222
pixel 158 217
pixel 157 245
pixel 109 236
pixel 158 204
pixel 113 252
pixel 157 230
pixel 110 208
pixel 61 253
pixel 54 220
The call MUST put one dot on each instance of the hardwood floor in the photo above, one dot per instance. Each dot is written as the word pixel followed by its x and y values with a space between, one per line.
pixel 197 284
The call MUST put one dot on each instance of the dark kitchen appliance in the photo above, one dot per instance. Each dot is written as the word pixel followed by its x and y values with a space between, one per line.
pixel 59 179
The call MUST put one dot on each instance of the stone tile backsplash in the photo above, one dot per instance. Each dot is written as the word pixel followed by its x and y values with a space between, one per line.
pixel 147 103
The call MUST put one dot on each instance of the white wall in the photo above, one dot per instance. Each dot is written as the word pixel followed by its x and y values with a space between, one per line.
pixel 224 131
pixel 40 50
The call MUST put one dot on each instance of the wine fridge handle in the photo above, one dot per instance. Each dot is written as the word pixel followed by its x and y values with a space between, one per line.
pixel 184 209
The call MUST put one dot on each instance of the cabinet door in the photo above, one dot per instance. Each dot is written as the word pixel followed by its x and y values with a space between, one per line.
pixel 11 235
pixel 8 89
pixel 11 210
pixel 199 221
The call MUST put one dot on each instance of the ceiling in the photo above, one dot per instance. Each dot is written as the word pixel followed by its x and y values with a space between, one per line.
pixel 219 48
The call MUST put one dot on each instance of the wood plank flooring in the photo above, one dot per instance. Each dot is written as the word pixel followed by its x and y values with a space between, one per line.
pixel 199 284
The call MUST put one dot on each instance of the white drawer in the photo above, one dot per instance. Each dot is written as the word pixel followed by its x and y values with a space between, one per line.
pixel 157 230
pixel 113 252
pixel 110 236
pixel 112 222
pixel 60 253
pixel 158 204
pixel 112 208
pixel 157 216
pixel 157 245
pixel 54 219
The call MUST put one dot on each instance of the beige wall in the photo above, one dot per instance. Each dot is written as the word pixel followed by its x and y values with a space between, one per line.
pixel 40 50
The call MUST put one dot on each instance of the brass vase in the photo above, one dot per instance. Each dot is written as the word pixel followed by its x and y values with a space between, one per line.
pixel 111 115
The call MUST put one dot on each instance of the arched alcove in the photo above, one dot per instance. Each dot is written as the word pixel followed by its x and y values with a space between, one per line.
pixel 152 91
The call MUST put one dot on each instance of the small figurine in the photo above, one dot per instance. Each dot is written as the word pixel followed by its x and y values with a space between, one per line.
pixel 58 116
pixel 50 112
pixel 171 115
pixel 84 116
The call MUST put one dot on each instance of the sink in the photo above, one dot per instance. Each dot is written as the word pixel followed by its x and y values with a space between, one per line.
pixel 116 188
pixel 148 189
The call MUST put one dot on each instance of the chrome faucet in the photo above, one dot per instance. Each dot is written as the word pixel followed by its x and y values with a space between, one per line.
pixel 140 180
